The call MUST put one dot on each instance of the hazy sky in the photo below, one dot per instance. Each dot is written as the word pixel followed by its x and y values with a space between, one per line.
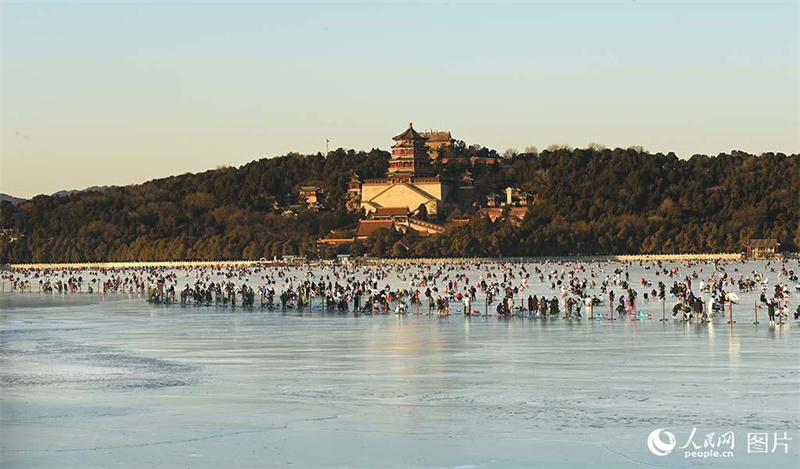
pixel 98 93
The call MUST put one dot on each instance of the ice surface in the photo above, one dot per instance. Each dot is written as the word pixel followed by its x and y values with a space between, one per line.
pixel 111 381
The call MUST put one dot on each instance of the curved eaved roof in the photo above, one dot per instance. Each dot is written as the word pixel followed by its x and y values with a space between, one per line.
pixel 410 134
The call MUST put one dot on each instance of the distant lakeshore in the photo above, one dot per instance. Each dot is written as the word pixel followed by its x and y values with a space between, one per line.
pixel 733 256
pixel 558 202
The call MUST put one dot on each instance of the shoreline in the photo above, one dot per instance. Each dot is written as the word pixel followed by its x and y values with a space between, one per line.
pixel 446 260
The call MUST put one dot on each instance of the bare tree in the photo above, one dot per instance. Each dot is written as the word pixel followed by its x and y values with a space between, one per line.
pixel 558 146
pixel 596 147
pixel 532 150
pixel 510 153
pixel 637 148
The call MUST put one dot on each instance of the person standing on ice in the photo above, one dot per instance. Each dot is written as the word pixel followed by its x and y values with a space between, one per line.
pixel 771 311
pixel 554 310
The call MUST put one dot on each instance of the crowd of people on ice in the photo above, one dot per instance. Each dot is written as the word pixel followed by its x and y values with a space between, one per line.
pixel 578 290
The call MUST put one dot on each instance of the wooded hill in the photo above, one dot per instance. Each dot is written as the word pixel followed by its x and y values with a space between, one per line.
pixel 588 201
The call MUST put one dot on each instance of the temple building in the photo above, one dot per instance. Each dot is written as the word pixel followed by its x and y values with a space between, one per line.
pixel 411 182
pixel 437 142
pixel 513 207
pixel 762 248
pixel 312 195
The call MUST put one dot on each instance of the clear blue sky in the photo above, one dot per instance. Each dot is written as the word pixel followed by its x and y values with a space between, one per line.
pixel 97 93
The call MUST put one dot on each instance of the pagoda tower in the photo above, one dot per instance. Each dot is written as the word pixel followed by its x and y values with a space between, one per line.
pixel 409 156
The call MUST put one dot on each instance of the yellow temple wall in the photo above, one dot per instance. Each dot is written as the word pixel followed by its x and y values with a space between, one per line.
pixel 400 195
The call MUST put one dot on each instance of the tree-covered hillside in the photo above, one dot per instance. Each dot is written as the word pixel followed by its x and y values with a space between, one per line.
pixel 596 201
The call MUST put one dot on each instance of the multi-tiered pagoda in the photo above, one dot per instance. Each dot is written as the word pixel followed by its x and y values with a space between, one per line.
pixel 410 156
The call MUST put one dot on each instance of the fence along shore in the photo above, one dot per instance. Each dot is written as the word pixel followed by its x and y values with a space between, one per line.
pixel 733 256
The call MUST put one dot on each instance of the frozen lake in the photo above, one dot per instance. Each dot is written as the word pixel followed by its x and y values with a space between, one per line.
pixel 112 381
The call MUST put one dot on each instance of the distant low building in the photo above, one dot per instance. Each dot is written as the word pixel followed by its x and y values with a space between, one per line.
pixel 395 219
pixel 333 241
pixel 437 142
pixel 762 248
pixel 391 213
pixel 312 195
pixel 367 227
pixel 514 215
pixel 501 163
pixel 493 200
pixel 517 197
pixel 514 197
pixel 401 221
pixel 512 207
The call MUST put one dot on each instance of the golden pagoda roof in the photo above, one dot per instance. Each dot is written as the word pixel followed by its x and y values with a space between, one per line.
pixel 410 134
